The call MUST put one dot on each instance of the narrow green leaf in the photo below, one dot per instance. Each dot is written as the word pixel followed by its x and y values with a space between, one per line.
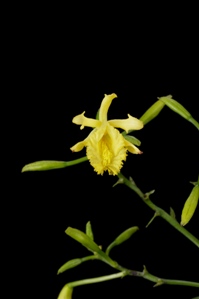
pixel 178 108
pixel 151 220
pixel 132 139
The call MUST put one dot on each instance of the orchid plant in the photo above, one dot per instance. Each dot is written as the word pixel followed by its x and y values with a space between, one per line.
pixel 106 150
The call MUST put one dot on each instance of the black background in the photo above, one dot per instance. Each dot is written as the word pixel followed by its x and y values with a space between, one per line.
pixel 56 75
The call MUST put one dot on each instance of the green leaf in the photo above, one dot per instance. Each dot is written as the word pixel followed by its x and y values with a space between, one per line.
pixel 132 139
pixel 178 108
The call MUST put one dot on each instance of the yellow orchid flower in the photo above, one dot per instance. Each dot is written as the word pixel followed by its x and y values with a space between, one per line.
pixel 106 148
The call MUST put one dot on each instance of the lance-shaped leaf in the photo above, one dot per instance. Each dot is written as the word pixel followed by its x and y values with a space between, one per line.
pixel 122 238
pixel 190 205
pixel 132 139
pixel 178 108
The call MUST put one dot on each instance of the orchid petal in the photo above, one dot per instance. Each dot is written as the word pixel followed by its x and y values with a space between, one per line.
pixel 85 121
pixel 106 102
pixel 78 146
pixel 131 147
pixel 131 123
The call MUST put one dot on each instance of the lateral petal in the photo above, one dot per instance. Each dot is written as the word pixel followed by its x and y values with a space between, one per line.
pixel 85 121
pixel 130 123
pixel 131 147
pixel 78 146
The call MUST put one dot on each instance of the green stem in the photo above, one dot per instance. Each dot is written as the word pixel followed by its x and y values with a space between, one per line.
pixel 159 211
pixel 145 274
pixel 88 258
pixel 160 281
pixel 77 161
pixel 95 279
pixel 100 255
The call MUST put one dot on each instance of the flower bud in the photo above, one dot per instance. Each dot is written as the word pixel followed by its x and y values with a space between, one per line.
pixel 44 165
pixel 83 239
pixel 125 235
pixel 152 112
pixel 89 244
pixel 66 293
pixel 68 265
pixel 190 205
pixel 122 238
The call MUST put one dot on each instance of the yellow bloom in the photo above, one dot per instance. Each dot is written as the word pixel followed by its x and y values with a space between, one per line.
pixel 106 148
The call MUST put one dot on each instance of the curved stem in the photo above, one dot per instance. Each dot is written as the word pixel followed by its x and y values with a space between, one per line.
pixel 158 281
pixel 95 279
pixel 159 211
pixel 88 258
pixel 144 274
